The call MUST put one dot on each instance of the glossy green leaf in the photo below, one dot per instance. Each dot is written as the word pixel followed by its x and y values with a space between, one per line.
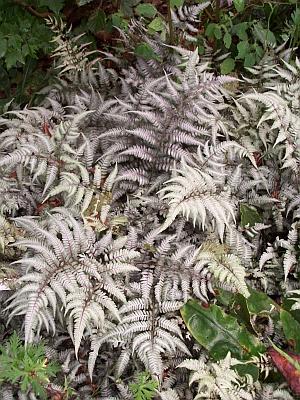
pixel 291 329
pixel 287 304
pixel 227 66
pixel 224 297
pixel 260 303
pixel 257 304
pixel 239 309
pixel 219 332
pixel 146 10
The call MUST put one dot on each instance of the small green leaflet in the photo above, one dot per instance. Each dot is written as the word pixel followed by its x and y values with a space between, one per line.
pixel 213 30
pixel 239 5
pixel 243 48
pixel 97 21
pixel 265 36
pixel 157 25
pixel 241 30
pixel 227 66
pixel 145 51
pixel 176 3
pixel 249 215
pixel 227 40
pixel 250 60
pixel 144 388
pixel 55 6
pixel 126 7
pixel 146 10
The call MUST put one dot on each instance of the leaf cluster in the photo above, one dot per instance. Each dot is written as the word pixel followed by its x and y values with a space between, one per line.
pixel 26 367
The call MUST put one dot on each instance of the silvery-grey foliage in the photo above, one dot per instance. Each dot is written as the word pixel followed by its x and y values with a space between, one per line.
pixel 121 198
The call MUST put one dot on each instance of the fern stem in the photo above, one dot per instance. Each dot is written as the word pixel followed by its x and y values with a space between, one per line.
pixel 171 29
pixel 218 9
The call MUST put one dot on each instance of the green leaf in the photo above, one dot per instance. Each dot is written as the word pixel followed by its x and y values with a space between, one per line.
pixel 265 36
pixel 250 60
pixel 27 368
pixel 260 303
pixel 96 21
pixel 210 29
pixel 12 57
pixel 217 32
pixel 54 5
pixel 241 30
pixel 144 388
pixel 239 5
pixel 249 215
pixel 291 329
pixel 219 332
pixel 227 66
pixel 145 51
pixel 126 7
pixel 146 10
pixel 259 51
pixel 176 3
pixel 257 304
pixel 213 30
pixel 287 304
pixel 227 40
pixel 119 21
pixel 157 24
pixel 243 48
pixel 3 47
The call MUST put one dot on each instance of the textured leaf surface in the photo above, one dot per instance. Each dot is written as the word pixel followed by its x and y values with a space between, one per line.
pixel 291 329
pixel 219 332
